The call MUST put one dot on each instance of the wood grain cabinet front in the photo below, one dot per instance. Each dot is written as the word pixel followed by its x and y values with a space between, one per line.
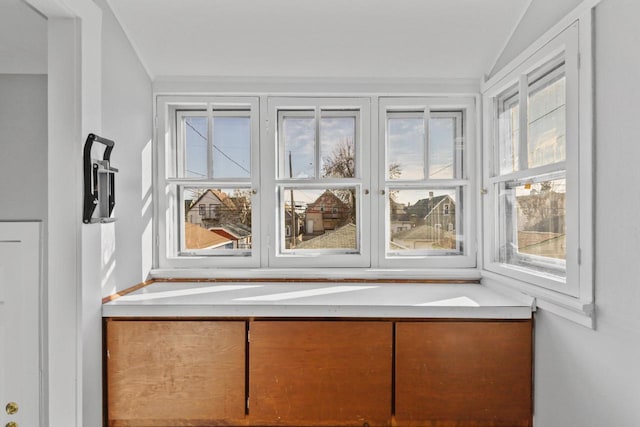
pixel 175 373
pixel 464 374
pixel 320 373
pixel 403 373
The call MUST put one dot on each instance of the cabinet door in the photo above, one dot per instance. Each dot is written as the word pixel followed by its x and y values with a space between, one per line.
pixel 320 373
pixel 175 373
pixel 464 374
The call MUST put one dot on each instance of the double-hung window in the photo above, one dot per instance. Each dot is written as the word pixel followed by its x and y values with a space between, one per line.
pixel 320 181
pixel 537 180
pixel 530 183
pixel 208 175
pixel 316 182
pixel 425 178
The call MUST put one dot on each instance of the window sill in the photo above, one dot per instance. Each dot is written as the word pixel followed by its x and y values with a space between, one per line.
pixel 570 308
pixel 464 275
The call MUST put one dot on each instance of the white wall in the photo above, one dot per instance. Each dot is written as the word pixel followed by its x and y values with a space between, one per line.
pixel 117 255
pixel 539 17
pixel 23 147
pixel 23 39
pixel 583 377
pixel 88 57
pixel 126 119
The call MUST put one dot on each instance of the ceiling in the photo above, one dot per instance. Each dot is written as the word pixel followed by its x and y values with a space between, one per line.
pixel 23 39
pixel 319 38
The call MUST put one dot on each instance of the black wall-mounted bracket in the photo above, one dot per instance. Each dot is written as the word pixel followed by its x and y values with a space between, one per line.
pixel 99 182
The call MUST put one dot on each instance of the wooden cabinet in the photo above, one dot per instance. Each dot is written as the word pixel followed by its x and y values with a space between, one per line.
pixel 382 372
pixel 319 373
pixel 175 373
pixel 463 374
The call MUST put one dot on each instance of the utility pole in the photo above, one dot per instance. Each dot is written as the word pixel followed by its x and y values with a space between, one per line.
pixel 293 212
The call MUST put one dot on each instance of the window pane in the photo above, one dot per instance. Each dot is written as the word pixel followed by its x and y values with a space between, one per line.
pixel 442 145
pixel 298 147
pixel 532 224
pixel 405 148
pixel 217 218
pixel 317 219
pixel 196 143
pixel 231 147
pixel 423 220
pixel 509 132
pixel 337 147
pixel 547 120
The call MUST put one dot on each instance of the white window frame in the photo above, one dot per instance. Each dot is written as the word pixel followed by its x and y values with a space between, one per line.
pixel 572 296
pixel 547 70
pixel 169 186
pixel 279 257
pixel 266 259
pixel 397 107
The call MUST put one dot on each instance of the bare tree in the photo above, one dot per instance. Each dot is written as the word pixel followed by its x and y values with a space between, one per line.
pixel 242 200
pixel 235 209
pixel 395 170
pixel 341 162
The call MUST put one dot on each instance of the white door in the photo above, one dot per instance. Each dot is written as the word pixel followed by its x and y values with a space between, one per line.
pixel 20 267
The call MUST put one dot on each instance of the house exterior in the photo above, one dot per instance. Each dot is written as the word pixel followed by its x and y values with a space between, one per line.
pixel 428 224
pixel 399 217
pixel 227 217
pixel 238 234
pixel 541 224
pixel 211 209
pixel 435 211
pixel 327 212
pixel 297 224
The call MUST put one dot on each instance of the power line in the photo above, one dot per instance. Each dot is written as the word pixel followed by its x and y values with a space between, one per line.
pixel 214 146
pixel 196 173
pixel 448 165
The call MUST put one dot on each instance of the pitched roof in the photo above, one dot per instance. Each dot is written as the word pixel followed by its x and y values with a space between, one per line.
pixel 328 194
pixel 197 237
pixel 420 232
pixel 341 238
pixel 424 207
pixel 233 231
pixel 220 195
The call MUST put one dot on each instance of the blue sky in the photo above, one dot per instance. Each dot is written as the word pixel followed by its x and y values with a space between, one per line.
pixel 299 139
pixel 231 153
pixel 405 146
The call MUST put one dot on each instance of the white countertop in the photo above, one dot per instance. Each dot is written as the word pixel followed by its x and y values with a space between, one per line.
pixel 361 300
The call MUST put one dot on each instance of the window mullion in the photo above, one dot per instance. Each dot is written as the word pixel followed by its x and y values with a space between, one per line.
pixel 210 141
pixel 318 116
pixel 523 152
pixel 458 149
pixel 181 135
pixel 427 116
